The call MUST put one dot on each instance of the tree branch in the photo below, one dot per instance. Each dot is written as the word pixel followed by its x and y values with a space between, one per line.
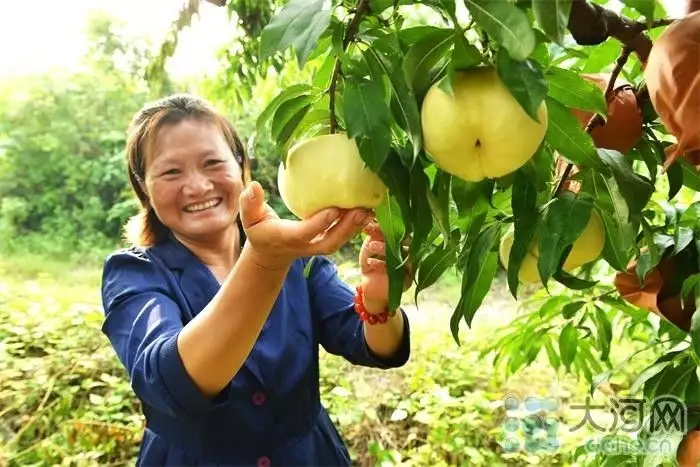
pixel 360 9
pixel 592 24
pixel 597 119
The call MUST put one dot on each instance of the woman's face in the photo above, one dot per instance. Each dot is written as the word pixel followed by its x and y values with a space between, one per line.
pixel 193 180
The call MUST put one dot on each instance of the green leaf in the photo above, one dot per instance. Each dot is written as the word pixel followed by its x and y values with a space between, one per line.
pixel 572 282
pixel 525 214
pixel 289 93
pixel 568 344
pixel 691 176
pixel 429 52
pixel 571 90
pixel 695 333
pixel 562 223
pixel 565 135
pixel 421 214
pixel 464 57
pixel 368 120
pixel 397 179
pixel 553 17
pixel 601 56
pixel 524 81
pixel 438 201
pixel 605 332
pixel 675 180
pixel 289 115
pixel 570 309
pixel 407 113
pixel 506 23
pixel 299 24
pixel 389 217
pixel 620 232
pixel 644 7
pixel 392 227
pixel 480 272
pixel 636 189
pixel 646 374
pixel 434 265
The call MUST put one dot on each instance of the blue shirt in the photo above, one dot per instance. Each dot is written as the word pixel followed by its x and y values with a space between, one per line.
pixel 270 413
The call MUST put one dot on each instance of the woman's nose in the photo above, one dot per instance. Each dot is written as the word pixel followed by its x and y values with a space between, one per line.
pixel 196 183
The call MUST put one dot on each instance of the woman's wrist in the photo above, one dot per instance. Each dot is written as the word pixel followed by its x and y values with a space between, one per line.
pixel 266 262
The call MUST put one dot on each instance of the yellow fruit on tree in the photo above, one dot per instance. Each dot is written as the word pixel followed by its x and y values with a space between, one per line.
pixel 586 248
pixel 327 171
pixel 481 131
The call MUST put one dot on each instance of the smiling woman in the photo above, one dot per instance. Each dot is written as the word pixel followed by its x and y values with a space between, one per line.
pixel 214 311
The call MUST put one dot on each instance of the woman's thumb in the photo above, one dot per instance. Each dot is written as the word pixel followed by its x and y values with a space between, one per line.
pixel 252 204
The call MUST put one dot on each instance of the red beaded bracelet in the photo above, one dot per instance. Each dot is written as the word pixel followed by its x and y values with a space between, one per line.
pixel 364 314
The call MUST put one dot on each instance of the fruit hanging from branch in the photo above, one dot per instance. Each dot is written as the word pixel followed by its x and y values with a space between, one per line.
pixel 479 130
pixel 622 128
pixel 672 75
pixel 327 171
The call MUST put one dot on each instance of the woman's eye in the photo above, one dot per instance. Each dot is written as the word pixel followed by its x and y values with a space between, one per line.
pixel 213 162
pixel 171 172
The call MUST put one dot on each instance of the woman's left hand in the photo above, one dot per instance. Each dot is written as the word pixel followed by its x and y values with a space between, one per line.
pixel 375 280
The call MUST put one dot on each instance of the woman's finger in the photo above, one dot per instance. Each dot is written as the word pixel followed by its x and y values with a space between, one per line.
pixel 311 227
pixel 349 225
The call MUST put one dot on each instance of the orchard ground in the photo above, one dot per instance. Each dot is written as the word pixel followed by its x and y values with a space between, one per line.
pixel 64 399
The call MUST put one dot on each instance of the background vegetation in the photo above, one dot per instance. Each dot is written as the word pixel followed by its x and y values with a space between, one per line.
pixel 64 398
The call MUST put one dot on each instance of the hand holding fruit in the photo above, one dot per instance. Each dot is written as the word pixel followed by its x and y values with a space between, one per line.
pixel 276 242
pixel 375 279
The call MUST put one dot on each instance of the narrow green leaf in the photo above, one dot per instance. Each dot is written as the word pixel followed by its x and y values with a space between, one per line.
pixel 525 214
pixel 421 213
pixel 691 176
pixel 620 232
pixel 464 57
pixel 429 52
pixel 635 188
pixel 407 114
pixel 571 90
pixel 647 374
pixel 506 23
pixel 562 224
pixel 389 217
pixel 524 81
pixel 481 269
pixel 434 265
pixel 605 332
pixel 288 117
pixel 570 309
pixel 554 359
pixel 368 120
pixel 553 17
pixel 299 24
pixel 695 333
pixel 439 207
pixel 289 93
pixel 397 179
pixel 568 344
pixel 565 135
pixel 644 7
pixel 572 282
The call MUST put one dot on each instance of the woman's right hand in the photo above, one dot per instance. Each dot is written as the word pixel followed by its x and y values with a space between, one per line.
pixel 276 243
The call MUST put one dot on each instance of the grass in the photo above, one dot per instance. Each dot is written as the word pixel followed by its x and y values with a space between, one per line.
pixel 65 400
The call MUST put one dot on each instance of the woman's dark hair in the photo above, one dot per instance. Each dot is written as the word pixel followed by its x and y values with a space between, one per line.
pixel 145 229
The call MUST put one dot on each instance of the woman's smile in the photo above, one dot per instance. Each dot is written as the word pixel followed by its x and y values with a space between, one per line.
pixel 196 208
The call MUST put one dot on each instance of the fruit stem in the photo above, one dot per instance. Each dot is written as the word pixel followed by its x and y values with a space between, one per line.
pixel 597 119
pixel 360 9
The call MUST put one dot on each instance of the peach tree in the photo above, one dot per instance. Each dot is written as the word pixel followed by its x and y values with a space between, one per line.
pixel 551 138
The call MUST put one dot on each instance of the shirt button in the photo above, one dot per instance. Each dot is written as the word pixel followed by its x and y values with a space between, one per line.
pixel 258 398
pixel 264 461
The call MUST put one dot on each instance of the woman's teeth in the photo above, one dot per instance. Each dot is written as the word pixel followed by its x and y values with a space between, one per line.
pixel 202 206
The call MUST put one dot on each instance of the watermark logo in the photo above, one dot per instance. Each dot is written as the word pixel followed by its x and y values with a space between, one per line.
pixel 532 424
